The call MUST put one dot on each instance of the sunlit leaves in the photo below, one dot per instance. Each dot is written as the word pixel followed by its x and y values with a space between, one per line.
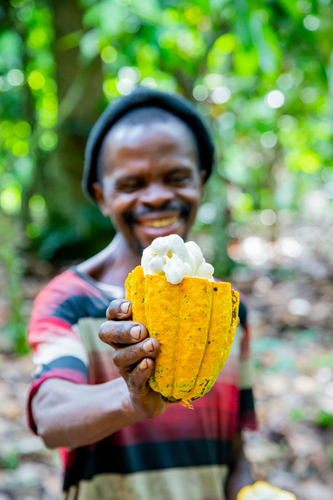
pixel 258 72
pixel 29 102
pixel 225 44
pixel 246 62
pixel 107 16
pixel 303 160
pixel 265 41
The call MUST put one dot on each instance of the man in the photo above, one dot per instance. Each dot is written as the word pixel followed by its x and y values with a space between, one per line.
pixel 147 159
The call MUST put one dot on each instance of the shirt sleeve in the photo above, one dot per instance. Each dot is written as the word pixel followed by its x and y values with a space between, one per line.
pixel 58 351
pixel 247 417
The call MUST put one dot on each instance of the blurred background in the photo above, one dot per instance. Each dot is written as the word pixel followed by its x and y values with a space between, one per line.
pixel 261 73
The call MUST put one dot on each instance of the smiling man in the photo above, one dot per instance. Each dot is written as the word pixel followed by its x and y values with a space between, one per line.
pixel 147 159
pixel 153 151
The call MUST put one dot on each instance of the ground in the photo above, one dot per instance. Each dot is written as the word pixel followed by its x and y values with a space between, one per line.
pixel 287 284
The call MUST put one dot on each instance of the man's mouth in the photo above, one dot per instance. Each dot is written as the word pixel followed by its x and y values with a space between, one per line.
pixel 162 222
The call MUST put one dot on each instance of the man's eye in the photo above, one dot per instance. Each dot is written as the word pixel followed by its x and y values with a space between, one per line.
pixel 179 179
pixel 129 186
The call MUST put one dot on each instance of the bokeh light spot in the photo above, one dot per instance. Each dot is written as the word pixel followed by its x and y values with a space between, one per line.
pixel 37 203
pixel 48 140
pixel 186 42
pixel 36 80
pixel 125 86
pixel 221 95
pixel 268 139
pixel 109 54
pixel 22 129
pixel 110 88
pixel 10 200
pixel 7 129
pixel 149 82
pixel 309 95
pixel 274 99
pixel 24 14
pixel 207 213
pixel 308 161
pixel 38 38
pixel 243 202
pixel 311 23
pixel 286 123
pixel 20 148
pixel 200 93
pixel 15 77
pixel 33 230
pixel 129 73
pixel 225 43
pixel 299 307
pixel 268 217
pixel 213 80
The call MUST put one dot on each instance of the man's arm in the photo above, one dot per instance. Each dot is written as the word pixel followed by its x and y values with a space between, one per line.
pixel 73 415
pixel 240 471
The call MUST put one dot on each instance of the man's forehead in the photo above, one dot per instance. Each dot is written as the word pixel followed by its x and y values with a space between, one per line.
pixel 142 140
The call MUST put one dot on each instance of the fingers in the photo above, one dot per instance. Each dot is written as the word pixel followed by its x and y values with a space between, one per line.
pixel 124 358
pixel 119 309
pixel 138 378
pixel 117 333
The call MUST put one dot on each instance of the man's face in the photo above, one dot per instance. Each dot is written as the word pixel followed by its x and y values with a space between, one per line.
pixel 151 184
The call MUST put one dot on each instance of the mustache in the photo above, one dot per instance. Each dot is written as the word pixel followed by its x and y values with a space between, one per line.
pixel 183 209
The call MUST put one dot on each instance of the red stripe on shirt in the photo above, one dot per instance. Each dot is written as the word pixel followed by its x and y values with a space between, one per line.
pixel 44 329
pixel 64 286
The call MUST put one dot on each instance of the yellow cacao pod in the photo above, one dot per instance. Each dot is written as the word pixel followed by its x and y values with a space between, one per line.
pixel 264 491
pixel 194 322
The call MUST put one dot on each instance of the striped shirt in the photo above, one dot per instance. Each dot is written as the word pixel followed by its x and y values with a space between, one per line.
pixel 182 454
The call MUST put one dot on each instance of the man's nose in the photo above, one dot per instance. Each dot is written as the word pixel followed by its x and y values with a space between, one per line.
pixel 156 195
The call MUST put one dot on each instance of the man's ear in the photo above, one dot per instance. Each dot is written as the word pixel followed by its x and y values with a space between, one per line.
pixel 99 197
pixel 203 177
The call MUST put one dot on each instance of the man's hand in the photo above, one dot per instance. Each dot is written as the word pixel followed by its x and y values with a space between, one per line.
pixel 134 358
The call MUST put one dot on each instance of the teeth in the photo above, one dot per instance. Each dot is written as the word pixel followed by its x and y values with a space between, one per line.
pixel 160 222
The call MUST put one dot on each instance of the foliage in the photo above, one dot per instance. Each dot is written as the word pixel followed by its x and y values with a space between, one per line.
pixel 260 72
pixel 10 244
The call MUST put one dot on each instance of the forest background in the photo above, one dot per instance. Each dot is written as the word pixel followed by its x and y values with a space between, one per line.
pixel 261 74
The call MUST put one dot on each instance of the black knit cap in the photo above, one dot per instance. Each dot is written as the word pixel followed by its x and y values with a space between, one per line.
pixel 144 97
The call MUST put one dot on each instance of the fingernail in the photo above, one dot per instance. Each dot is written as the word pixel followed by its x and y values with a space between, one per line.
pixel 144 364
pixel 135 332
pixel 125 307
pixel 148 346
